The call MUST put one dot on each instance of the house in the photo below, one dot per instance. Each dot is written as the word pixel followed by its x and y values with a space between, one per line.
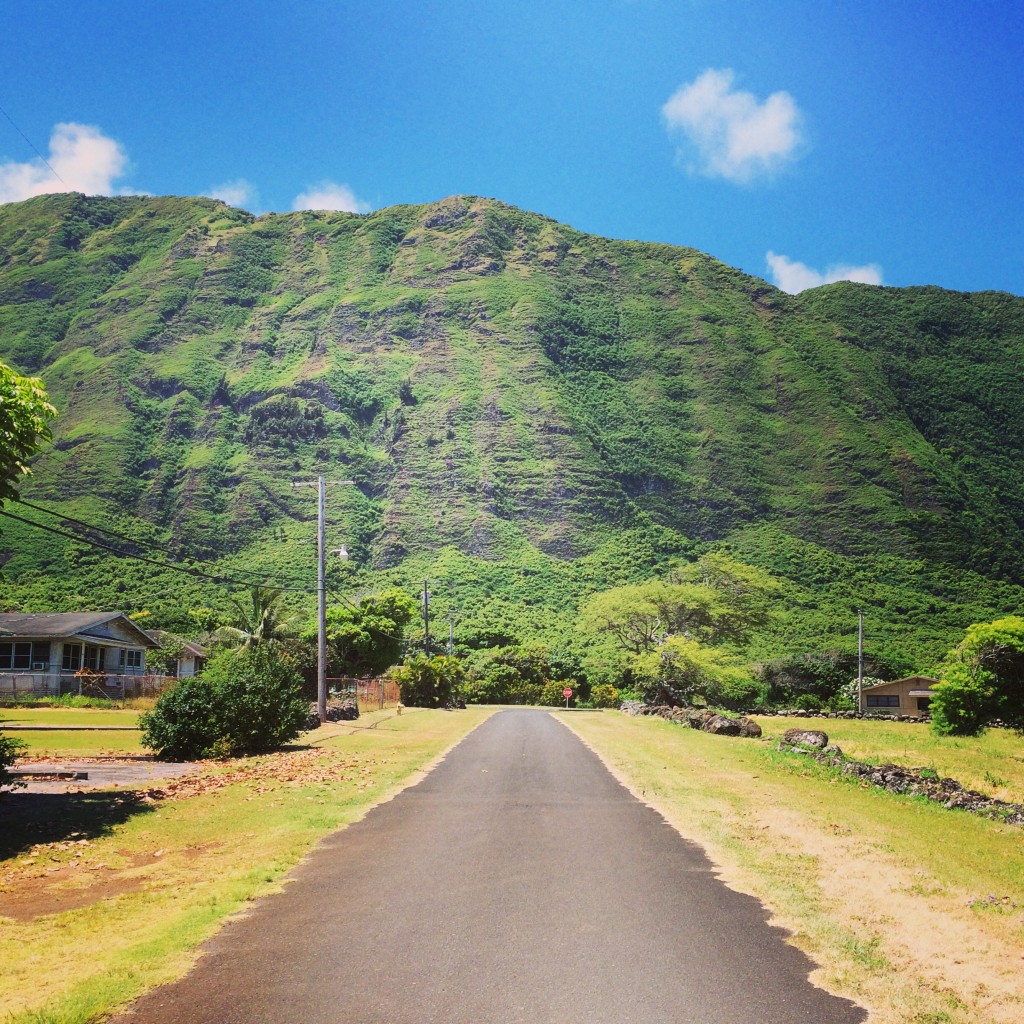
pixel 53 652
pixel 909 696
pixel 191 656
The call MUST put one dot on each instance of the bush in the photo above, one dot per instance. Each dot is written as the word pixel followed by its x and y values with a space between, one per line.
pixel 605 696
pixel 551 694
pixel 429 682
pixel 245 702
pixel 259 698
pixel 184 723
pixel 9 750
pixel 521 675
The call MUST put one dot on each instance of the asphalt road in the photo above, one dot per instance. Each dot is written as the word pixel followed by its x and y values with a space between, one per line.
pixel 518 882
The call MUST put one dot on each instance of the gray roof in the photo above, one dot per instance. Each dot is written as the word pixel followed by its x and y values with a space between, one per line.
pixel 43 625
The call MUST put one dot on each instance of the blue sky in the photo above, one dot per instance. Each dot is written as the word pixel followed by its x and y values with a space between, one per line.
pixel 800 141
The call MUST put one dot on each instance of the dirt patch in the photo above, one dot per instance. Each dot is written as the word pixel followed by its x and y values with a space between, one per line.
pixel 63 890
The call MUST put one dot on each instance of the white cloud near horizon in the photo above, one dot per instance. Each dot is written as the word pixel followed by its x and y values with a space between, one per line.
pixel 85 159
pixel 237 192
pixel 330 195
pixel 792 276
pixel 734 135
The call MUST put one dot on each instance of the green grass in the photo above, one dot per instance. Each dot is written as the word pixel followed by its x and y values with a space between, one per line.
pixel 91 738
pixel 56 716
pixel 187 865
pixel 992 763
pixel 881 890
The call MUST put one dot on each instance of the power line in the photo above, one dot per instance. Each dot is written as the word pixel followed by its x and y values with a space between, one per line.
pixel 185 570
pixel 151 545
pixel 32 146
pixel 173 566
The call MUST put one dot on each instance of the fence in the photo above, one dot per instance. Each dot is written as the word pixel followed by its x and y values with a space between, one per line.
pixel 369 694
pixel 15 686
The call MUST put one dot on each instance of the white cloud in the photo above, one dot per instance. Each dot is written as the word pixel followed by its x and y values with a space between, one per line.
pixel 792 276
pixel 329 195
pixel 238 192
pixel 734 135
pixel 85 159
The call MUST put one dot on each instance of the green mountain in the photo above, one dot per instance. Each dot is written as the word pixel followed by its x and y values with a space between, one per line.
pixel 529 414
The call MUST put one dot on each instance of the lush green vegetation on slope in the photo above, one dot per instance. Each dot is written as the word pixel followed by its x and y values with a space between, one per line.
pixel 530 415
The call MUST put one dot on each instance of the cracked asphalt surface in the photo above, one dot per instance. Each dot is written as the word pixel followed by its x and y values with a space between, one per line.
pixel 518 883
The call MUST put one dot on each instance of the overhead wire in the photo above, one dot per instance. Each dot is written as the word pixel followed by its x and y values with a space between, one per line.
pixel 173 566
pixel 32 146
pixel 151 545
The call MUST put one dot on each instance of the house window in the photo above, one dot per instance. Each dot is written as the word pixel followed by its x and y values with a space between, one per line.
pixel 130 659
pixel 72 660
pixel 883 700
pixel 15 655
pixel 93 658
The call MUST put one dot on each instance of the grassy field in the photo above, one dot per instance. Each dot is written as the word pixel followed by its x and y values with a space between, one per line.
pixel 55 716
pixel 126 891
pixel 907 907
pixel 81 740
pixel 993 764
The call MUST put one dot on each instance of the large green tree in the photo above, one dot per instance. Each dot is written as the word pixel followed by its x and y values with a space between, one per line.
pixel 983 679
pixel 714 600
pixel 365 638
pixel 24 415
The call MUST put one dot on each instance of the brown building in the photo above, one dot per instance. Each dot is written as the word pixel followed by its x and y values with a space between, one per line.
pixel 910 696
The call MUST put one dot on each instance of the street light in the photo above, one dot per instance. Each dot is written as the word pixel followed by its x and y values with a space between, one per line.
pixel 321 586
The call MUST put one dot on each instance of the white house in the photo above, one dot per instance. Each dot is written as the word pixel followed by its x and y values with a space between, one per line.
pixel 50 652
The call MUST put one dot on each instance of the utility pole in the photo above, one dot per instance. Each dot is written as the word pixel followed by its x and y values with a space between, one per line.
pixel 451 632
pixel 860 662
pixel 321 588
pixel 426 620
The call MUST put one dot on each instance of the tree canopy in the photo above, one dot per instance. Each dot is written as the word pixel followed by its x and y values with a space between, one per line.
pixel 983 679
pixel 24 412
pixel 365 638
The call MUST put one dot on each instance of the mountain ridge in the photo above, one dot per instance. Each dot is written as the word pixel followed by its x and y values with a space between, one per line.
pixel 496 383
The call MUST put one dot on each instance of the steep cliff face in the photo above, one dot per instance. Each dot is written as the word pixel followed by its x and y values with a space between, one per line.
pixel 496 382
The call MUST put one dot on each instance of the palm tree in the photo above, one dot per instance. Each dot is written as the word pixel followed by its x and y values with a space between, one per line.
pixel 259 618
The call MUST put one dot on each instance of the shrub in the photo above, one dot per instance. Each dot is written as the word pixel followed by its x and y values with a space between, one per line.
pixel 259 700
pixel 9 750
pixel 245 702
pixel 428 682
pixel 551 694
pixel 605 696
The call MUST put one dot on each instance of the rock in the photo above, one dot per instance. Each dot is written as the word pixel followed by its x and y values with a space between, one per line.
pixel 722 726
pixel 749 728
pixel 806 738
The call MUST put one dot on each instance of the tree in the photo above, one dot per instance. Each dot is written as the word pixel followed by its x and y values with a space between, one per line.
pixel 629 614
pixel 366 638
pixel 259 618
pixel 684 671
pixel 24 411
pixel 982 679
pixel 716 599
pixel 429 682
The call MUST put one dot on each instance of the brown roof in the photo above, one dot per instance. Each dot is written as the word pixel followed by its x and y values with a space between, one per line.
pixel 61 624
pixel 924 680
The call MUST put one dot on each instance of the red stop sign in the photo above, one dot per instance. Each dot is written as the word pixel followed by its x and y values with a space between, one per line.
pixel 567 693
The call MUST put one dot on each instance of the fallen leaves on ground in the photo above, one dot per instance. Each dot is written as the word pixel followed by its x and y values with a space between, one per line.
pixel 293 768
